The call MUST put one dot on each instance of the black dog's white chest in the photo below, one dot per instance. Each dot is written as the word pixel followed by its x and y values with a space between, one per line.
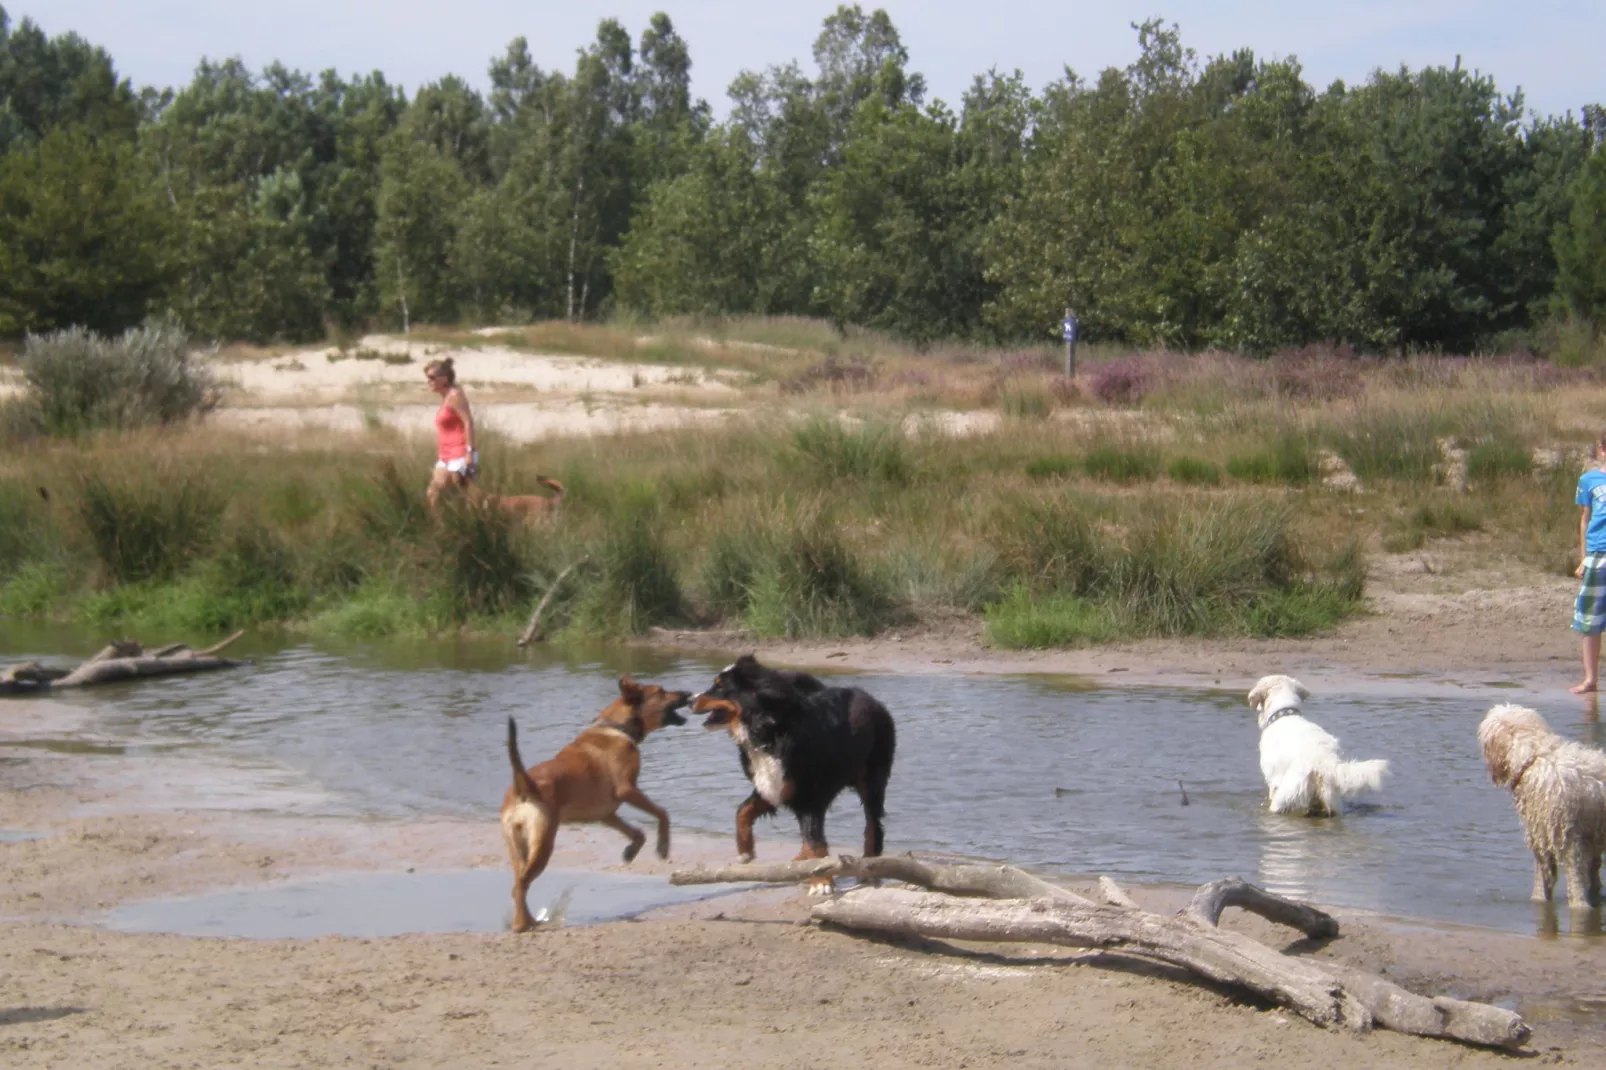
pixel 768 777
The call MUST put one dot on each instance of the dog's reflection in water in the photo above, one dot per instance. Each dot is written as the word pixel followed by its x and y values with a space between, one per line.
pixel 1304 859
pixel 1581 921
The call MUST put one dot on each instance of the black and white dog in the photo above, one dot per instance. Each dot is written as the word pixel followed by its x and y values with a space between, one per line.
pixel 801 744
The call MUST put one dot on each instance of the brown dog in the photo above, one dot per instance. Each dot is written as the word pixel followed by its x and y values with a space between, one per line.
pixel 585 782
pixel 531 506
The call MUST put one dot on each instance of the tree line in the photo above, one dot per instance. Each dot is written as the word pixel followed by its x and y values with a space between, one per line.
pixel 1176 201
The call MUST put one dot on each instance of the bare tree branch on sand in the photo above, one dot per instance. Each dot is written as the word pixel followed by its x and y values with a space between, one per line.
pixel 1000 903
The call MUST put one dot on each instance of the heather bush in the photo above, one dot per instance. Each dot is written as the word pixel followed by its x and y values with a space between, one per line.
pixel 1125 381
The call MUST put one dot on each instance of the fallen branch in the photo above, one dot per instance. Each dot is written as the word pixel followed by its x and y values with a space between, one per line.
pixel 531 630
pixel 963 879
pixel 123 659
pixel 1028 909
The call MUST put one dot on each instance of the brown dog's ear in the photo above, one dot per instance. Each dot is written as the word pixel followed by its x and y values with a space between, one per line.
pixel 629 690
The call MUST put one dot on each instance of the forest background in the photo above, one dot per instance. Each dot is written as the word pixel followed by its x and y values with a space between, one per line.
pixel 1178 202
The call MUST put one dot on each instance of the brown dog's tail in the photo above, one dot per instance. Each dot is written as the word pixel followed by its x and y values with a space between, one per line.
pixel 553 485
pixel 523 786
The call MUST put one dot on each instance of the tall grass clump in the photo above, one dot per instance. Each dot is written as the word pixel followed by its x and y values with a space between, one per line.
pixel 815 585
pixel 1022 399
pixel 77 381
pixel 1390 444
pixel 826 449
pixel 1289 460
pixel 631 582
pixel 1122 464
pixel 1434 519
pixel 149 529
pixel 1500 457
pixel 22 526
pixel 251 577
pixel 479 549
pixel 388 507
pixel 1192 472
pixel 1055 466
pixel 1185 567
pixel 1023 620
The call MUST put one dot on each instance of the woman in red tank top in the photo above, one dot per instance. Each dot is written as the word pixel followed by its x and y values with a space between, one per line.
pixel 456 461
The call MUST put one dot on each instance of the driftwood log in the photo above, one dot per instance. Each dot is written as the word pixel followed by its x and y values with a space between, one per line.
pixel 1027 909
pixel 122 659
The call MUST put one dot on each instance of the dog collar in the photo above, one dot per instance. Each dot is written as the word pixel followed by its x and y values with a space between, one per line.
pixel 1277 715
pixel 631 729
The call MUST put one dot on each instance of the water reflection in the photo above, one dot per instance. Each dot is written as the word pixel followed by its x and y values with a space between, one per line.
pixel 1585 921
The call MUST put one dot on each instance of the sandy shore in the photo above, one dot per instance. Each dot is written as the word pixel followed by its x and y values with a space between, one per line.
pixel 741 980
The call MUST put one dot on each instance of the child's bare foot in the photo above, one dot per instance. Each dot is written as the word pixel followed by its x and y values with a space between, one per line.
pixel 1584 688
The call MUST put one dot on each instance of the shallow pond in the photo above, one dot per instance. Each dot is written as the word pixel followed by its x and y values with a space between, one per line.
pixel 1046 772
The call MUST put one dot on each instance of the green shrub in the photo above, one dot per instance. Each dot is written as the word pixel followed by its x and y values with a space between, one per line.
pixel 78 381
pixel 1191 471
pixel 1122 464
pixel 148 530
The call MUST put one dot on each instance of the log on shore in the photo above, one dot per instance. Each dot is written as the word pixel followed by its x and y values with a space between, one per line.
pixel 997 903
pixel 120 660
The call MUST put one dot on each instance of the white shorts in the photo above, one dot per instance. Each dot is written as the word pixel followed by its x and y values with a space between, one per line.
pixel 458 464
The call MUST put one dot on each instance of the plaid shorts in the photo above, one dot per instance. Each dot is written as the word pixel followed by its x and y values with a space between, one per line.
pixel 1589 615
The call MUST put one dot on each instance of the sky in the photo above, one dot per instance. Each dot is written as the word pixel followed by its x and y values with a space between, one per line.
pixel 1551 49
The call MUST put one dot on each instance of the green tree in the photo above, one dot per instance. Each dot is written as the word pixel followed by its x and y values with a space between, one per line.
pixel 1580 245
pixel 421 195
pixel 46 83
pixel 81 234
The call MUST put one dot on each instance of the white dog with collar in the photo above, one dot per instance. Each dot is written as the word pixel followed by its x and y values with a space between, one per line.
pixel 1300 762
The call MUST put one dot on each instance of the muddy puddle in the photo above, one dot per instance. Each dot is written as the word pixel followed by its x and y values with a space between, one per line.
pixel 395 904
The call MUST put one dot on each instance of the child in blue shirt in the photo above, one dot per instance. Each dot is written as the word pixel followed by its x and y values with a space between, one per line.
pixel 1589 615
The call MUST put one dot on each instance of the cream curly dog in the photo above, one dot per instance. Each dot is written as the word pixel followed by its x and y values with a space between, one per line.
pixel 1559 788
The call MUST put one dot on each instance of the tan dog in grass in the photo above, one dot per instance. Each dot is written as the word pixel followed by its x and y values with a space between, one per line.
pixel 527 506
pixel 585 782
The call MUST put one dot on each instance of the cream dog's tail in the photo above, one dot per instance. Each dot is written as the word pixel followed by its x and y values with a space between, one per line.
pixel 1351 777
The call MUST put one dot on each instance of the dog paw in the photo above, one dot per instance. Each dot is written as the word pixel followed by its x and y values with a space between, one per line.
pixel 631 851
pixel 744 859
pixel 663 849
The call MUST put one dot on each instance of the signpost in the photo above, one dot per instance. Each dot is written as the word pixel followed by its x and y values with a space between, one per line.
pixel 1070 329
